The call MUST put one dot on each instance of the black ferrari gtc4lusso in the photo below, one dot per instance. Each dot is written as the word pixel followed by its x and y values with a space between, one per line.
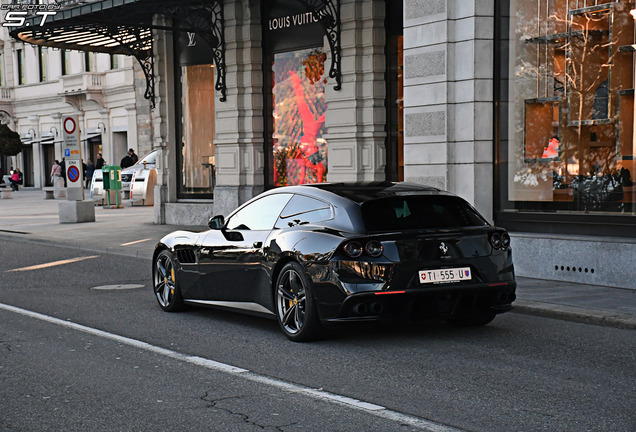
pixel 315 256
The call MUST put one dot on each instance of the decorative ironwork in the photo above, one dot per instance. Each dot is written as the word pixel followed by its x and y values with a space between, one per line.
pixel 110 31
pixel 327 13
pixel 209 24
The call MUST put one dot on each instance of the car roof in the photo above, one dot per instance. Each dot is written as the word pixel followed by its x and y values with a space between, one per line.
pixel 361 192
pixel 347 198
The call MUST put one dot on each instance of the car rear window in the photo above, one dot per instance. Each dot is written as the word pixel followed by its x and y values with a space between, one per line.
pixel 415 212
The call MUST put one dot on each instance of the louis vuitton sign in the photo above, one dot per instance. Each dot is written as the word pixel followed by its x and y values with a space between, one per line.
pixel 295 20
pixel 192 49
pixel 288 25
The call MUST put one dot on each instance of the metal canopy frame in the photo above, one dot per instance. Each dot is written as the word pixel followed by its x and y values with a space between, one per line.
pixel 125 27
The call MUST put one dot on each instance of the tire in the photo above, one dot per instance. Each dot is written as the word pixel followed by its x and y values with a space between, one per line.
pixel 295 309
pixel 472 321
pixel 165 283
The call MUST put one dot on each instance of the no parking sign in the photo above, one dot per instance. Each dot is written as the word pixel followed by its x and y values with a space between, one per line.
pixel 73 172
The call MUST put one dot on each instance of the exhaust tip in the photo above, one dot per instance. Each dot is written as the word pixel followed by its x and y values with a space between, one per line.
pixel 360 309
pixel 376 308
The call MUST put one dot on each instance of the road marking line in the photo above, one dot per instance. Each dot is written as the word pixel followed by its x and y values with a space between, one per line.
pixel 53 264
pixel 369 408
pixel 135 242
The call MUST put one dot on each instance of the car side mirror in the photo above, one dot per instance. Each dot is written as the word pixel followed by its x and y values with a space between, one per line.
pixel 217 222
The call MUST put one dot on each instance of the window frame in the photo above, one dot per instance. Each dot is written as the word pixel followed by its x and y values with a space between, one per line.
pixel 283 221
pixel 21 79
pixel 42 56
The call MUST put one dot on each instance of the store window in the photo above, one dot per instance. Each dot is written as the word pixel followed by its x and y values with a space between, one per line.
pixel 197 175
pixel 299 109
pixel 295 107
pixel 566 141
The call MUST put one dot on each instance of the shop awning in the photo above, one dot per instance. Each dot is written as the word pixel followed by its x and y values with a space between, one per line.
pixel 89 136
pixel 126 27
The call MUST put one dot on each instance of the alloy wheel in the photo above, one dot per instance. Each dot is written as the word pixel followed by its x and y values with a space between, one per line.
pixel 165 283
pixel 291 301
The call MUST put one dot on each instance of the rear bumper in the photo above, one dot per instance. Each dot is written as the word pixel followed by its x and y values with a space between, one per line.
pixel 439 301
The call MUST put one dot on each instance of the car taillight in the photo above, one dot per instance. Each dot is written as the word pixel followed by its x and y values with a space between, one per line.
pixel 505 240
pixel 374 249
pixel 495 240
pixel 500 240
pixel 353 249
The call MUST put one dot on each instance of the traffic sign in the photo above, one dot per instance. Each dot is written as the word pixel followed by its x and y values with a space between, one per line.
pixel 72 151
pixel 73 173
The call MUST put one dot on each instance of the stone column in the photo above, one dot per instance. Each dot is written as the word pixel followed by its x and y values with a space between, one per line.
pixel 239 136
pixel 163 127
pixel 356 115
pixel 448 88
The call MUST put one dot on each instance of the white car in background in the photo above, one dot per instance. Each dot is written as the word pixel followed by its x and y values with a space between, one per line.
pixel 147 162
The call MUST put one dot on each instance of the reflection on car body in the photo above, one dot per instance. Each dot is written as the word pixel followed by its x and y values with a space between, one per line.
pixel 321 255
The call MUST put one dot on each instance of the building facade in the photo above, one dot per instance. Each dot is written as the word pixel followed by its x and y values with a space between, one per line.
pixel 507 104
pixel 39 85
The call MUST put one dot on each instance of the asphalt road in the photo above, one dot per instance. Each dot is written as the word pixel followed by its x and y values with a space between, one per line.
pixel 79 353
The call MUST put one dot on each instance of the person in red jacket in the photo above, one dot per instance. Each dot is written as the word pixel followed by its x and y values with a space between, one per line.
pixel 16 179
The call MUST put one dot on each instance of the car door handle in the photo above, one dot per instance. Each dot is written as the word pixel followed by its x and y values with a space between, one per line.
pixel 258 245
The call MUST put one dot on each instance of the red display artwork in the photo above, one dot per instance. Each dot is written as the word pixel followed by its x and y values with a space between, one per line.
pixel 300 152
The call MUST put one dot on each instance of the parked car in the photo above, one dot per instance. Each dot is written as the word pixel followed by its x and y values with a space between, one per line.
pixel 321 255
pixel 147 162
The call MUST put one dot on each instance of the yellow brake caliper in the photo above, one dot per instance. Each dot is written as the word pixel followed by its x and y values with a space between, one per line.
pixel 172 277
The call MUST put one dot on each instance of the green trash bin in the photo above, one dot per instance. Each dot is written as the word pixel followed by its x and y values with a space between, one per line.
pixel 111 181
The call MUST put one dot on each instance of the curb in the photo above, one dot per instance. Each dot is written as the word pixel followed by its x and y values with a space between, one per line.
pixel 575 314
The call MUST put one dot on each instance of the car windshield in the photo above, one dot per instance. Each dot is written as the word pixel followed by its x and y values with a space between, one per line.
pixel 414 212
pixel 149 158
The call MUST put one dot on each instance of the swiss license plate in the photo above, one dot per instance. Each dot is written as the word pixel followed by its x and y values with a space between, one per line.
pixel 445 275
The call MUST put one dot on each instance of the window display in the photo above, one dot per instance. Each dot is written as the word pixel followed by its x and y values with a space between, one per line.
pixel 299 109
pixel 197 134
pixel 570 135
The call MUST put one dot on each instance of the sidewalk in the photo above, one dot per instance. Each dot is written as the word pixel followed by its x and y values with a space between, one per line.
pixel 130 231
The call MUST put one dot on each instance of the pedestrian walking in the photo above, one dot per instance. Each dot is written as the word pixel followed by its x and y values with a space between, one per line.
pixel 63 172
pixel 99 163
pixel 127 160
pixel 90 169
pixel 56 172
pixel 133 156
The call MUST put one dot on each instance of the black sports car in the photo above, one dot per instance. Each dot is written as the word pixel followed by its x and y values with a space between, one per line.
pixel 319 255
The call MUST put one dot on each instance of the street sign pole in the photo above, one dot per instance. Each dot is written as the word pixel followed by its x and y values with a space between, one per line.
pixel 72 152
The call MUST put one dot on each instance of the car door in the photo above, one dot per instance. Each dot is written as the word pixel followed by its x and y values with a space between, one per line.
pixel 230 260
